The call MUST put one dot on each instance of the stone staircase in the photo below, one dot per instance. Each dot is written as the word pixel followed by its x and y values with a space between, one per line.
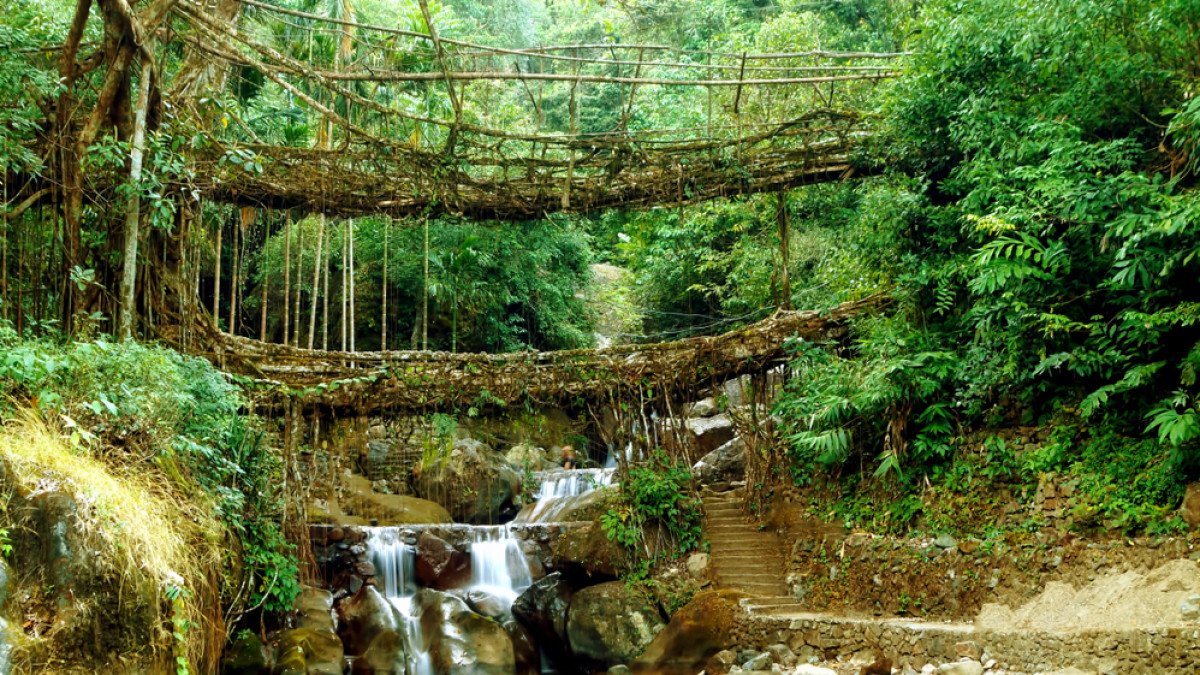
pixel 743 557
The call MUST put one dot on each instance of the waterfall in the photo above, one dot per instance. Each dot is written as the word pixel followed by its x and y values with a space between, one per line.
pixel 560 489
pixel 395 563
pixel 498 564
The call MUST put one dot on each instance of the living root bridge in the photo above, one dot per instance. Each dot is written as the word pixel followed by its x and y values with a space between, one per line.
pixel 366 382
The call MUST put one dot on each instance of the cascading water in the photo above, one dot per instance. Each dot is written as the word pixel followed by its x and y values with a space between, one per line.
pixel 498 568
pixel 395 562
pixel 498 564
pixel 560 489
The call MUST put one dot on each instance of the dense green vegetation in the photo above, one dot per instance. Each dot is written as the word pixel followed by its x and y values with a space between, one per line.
pixel 149 411
pixel 1046 258
pixel 1028 199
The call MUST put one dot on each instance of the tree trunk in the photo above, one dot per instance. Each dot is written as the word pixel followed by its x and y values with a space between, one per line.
pixel 383 309
pixel 234 273
pixel 784 253
pixel 345 285
pixel 299 283
pixel 325 293
pixel 425 293
pixel 312 312
pixel 350 223
pixel 287 276
pixel 266 281
pixel 216 312
pixel 134 206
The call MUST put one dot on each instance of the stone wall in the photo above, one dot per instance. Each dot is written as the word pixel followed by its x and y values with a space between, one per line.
pixel 916 643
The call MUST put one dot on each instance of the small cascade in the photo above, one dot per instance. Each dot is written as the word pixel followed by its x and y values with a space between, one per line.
pixel 498 565
pixel 498 568
pixel 395 564
pixel 561 489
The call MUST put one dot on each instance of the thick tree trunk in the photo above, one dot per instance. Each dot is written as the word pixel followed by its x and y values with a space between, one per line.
pixel 287 276
pixel 350 224
pixel 134 205
pixel 312 310
pixel 784 253
pixel 216 303
pixel 299 283
pixel 383 315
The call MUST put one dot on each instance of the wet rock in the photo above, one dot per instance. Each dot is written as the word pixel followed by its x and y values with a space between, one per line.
pixel 619 669
pixel 486 604
pixel 364 616
pixel 542 608
pixel 1189 510
pixel 305 652
pixel 439 565
pixel 246 655
pixel 727 462
pixel 961 668
pixel 314 609
pixel 473 483
pixel 525 649
pixel 384 656
pixel 360 501
pixel 462 642
pixel 610 623
pixel 710 433
pixel 573 509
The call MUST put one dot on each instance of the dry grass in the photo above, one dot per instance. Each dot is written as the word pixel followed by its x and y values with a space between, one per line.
pixel 140 529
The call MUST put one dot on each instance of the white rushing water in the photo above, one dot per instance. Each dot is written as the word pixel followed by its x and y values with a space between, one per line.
pixel 561 489
pixel 498 565
pixel 498 568
pixel 395 565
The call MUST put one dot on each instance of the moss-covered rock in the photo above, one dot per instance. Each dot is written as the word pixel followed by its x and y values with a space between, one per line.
pixel 611 623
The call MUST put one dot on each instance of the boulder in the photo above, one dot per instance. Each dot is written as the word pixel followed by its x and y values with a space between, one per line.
pixel 542 608
pixel 473 483
pixel 314 609
pixel 486 604
pixel 573 509
pixel 781 654
pixel 705 407
pixel 439 565
pixel 384 656
pixel 697 565
pixel 610 623
pixel 1189 510
pixel 700 631
pixel 760 662
pixel 525 648
pixel 360 499
pixel 727 462
pixel 460 641
pixel 525 457
pixel 305 652
pixel 587 548
pixel 710 433
pixel 365 616
pixel 246 655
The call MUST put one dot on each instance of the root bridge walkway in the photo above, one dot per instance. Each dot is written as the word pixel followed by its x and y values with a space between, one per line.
pixel 367 382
